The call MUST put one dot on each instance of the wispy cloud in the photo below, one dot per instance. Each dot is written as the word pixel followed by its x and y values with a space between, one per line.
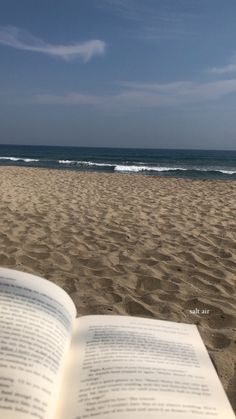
pixel 23 40
pixel 139 10
pixel 226 69
pixel 128 9
pixel 146 95
pixel 152 20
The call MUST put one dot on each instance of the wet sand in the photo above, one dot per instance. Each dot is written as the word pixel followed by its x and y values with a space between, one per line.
pixel 128 244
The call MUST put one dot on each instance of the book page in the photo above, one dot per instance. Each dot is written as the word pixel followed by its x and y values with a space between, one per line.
pixel 127 367
pixel 36 320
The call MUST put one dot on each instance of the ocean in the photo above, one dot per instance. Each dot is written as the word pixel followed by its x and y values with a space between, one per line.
pixel 193 164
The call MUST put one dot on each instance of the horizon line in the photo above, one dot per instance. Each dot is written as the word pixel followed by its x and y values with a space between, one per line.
pixel 118 147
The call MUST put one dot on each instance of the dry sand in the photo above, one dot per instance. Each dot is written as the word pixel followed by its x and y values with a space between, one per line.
pixel 129 244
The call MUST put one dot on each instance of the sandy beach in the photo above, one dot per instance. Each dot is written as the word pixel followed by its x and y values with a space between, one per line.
pixel 130 244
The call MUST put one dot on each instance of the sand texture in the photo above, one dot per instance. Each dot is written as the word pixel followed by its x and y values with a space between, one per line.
pixel 130 244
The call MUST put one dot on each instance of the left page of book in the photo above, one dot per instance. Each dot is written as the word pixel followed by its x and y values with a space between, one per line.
pixel 36 321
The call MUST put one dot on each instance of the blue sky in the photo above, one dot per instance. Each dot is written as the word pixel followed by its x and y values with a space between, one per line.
pixel 128 73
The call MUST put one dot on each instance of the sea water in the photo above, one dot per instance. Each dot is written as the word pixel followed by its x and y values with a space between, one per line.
pixel 194 164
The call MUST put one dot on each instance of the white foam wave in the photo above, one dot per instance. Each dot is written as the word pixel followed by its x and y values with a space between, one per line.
pixel 85 163
pixel 66 161
pixel 227 172
pixel 10 158
pixel 90 163
pixel 120 168
pixel 27 160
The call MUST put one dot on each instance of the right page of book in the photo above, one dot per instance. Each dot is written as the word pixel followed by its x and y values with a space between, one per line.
pixel 129 367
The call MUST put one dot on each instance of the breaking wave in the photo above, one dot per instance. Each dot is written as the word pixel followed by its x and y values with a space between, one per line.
pixel 27 160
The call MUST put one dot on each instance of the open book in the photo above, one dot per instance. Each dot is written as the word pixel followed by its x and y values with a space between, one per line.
pixel 54 366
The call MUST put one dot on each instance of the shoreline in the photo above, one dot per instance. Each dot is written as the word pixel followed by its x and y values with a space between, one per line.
pixel 161 247
pixel 116 173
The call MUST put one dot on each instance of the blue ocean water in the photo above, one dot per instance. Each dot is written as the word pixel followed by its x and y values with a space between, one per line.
pixel 197 164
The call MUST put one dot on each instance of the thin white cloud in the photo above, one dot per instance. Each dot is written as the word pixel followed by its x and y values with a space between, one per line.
pixel 23 40
pixel 226 69
pixel 153 21
pixel 128 9
pixel 146 95
pixel 139 10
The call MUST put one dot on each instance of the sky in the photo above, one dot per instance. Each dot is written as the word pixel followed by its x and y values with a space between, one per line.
pixel 118 73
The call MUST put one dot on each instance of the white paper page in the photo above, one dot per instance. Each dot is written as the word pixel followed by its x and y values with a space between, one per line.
pixel 36 320
pixel 127 367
